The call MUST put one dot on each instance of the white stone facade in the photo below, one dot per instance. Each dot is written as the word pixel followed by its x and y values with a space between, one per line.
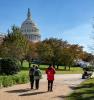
pixel 29 29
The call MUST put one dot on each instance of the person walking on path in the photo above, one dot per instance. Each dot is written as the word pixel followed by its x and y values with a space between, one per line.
pixel 50 71
pixel 31 76
pixel 37 77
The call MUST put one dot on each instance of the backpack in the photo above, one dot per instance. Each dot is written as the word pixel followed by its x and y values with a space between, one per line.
pixel 37 73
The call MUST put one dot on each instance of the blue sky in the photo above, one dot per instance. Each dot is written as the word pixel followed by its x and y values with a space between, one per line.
pixel 69 20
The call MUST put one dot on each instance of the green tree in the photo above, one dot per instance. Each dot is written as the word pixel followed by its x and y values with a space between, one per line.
pixel 45 53
pixel 15 45
pixel 71 53
pixel 31 55
pixel 88 57
pixel 50 51
pixel 58 52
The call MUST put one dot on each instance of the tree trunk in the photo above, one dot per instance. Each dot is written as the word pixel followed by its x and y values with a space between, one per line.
pixel 69 68
pixel 57 66
pixel 22 63
pixel 53 65
pixel 65 67
pixel 29 64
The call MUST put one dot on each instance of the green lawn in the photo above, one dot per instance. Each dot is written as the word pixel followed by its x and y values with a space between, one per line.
pixel 85 91
pixel 74 70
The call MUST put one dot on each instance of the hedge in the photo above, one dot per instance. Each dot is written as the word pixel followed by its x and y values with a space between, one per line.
pixel 9 66
pixel 10 80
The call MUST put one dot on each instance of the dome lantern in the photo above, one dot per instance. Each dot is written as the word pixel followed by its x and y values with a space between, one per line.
pixel 29 14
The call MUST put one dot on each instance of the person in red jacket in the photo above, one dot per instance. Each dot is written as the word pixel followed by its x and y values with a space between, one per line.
pixel 50 71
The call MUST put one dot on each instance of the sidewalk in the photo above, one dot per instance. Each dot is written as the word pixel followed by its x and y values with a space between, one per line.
pixel 62 87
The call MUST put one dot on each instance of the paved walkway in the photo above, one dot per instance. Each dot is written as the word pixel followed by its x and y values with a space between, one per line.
pixel 62 87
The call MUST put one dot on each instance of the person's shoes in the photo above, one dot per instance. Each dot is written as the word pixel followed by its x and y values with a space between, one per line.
pixel 51 90
pixel 48 90
pixel 31 88
pixel 37 88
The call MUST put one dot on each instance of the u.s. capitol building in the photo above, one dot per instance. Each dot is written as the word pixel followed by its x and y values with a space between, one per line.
pixel 29 29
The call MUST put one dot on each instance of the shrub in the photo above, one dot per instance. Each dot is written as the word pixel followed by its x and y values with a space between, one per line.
pixel 7 81
pixel 10 80
pixel 1 81
pixel 8 66
pixel 21 78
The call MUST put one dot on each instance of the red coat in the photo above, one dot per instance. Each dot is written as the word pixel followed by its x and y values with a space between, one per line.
pixel 50 73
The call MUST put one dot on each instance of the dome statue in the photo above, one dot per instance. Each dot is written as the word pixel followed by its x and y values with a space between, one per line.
pixel 29 29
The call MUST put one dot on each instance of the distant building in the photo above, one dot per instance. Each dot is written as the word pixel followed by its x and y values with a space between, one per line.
pixel 29 29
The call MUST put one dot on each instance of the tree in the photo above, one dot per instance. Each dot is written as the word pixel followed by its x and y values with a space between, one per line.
pixel 31 55
pixel 88 57
pixel 15 45
pixel 58 52
pixel 71 53
pixel 45 53
pixel 66 58
pixel 50 51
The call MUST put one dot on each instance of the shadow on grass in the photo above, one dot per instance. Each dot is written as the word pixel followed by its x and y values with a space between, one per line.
pixel 82 92
pixel 75 97
pixel 90 85
pixel 81 96
pixel 34 93
pixel 78 96
pixel 18 91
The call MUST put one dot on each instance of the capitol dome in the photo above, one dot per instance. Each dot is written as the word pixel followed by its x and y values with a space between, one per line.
pixel 29 29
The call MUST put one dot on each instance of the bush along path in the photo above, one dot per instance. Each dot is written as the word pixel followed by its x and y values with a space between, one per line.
pixel 6 81
pixel 61 89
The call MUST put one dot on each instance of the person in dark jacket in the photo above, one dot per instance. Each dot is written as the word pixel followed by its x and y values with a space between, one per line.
pixel 31 76
pixel 50 77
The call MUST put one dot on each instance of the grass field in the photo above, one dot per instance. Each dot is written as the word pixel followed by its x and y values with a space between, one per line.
pixel 74 70
pixel 85 91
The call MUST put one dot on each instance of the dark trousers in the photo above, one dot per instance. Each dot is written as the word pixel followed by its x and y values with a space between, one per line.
pixel 37 83
pixel 32 81
pixel 50 85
